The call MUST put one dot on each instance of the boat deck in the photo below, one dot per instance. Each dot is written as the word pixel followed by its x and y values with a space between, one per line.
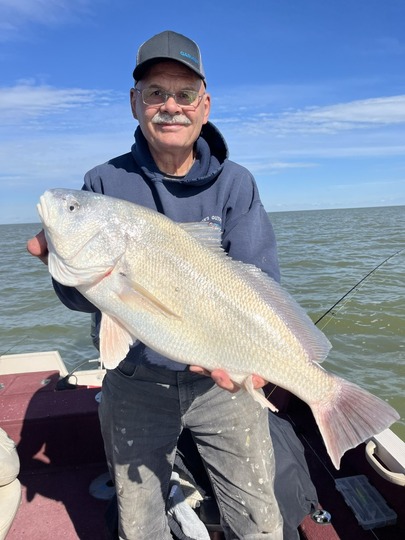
pixel 61 453
pixel 56 504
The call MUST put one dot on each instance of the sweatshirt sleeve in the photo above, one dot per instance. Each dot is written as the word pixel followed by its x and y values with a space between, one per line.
pixel 72 299
pixel 248 233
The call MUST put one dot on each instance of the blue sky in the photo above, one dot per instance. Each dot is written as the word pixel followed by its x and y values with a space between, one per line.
pixel 310 94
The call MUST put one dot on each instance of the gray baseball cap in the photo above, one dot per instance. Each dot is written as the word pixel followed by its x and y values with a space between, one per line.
pixel 168 45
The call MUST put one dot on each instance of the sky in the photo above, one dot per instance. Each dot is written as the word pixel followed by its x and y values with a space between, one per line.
pixel 309 94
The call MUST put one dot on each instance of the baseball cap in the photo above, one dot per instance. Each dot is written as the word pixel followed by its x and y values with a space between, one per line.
pixel 168 45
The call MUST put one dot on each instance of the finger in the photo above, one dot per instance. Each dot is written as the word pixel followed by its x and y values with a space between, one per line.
pixel 37 246
pixel 199 370
pixel 258 382
pixel 223 380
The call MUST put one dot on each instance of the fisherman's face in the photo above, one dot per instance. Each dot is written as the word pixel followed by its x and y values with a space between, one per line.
pixel 169 127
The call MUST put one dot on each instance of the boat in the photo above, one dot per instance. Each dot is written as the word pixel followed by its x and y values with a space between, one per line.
pixel 63 489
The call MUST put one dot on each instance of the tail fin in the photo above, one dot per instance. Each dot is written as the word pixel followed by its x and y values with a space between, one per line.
pixel 351 418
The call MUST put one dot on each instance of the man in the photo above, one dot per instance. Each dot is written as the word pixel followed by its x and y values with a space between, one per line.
pixel 179 166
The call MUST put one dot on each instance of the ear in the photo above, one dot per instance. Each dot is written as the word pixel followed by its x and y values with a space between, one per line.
pixel 207 107
pixel 133 95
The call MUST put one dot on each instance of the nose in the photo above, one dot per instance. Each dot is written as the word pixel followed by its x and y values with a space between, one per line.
pixel 170 106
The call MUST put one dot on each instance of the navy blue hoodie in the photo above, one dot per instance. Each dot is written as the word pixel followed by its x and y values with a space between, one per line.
pixel 215 189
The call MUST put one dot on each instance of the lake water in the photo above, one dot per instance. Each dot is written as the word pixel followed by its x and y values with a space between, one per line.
pixel 323 254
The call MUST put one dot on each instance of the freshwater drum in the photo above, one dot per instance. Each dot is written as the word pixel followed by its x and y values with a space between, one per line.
pixel 149 277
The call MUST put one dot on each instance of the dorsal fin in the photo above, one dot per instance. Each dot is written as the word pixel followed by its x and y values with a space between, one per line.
pixel 206 233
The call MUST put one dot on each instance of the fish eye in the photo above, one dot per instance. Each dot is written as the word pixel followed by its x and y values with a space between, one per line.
pixel 72 206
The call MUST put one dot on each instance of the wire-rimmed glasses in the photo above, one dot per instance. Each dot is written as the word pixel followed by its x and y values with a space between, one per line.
pixel 156 97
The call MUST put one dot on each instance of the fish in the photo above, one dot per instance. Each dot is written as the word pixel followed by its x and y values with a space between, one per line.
pixel 172 287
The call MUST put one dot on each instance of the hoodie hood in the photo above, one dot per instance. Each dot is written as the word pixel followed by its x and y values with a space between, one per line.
pixel 211 154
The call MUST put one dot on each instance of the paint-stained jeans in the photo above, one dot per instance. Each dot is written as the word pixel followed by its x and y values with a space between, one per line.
pixel 142 415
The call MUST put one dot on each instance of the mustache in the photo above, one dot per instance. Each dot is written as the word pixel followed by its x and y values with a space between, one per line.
pixel 165 118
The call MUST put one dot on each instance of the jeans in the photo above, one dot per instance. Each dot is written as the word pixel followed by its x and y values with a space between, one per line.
pixel 143 411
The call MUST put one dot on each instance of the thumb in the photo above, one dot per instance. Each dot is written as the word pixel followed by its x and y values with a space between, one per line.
pixel 37 246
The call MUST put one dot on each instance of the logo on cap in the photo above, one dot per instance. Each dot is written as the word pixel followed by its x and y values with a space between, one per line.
pixel 187 55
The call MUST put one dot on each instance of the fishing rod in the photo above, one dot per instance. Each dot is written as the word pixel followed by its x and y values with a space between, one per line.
pixel 358 284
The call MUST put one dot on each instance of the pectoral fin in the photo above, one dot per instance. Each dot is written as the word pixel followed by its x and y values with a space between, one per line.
pixel 139 298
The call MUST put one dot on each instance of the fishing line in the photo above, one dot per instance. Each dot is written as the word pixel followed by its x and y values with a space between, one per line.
pixel 64 384
pixel 356 286
pixel 13 346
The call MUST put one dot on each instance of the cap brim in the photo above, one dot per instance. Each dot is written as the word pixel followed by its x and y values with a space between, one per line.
pixel 140 69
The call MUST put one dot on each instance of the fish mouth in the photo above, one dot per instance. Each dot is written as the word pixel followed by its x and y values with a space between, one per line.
pixel 44 214
pixel 42 210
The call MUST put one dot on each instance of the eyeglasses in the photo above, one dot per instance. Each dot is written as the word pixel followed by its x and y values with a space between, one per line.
pixel 186 99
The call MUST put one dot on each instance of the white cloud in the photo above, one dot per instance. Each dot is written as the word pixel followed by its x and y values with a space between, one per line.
pixel 257 166
pixel 27 99
pixel 367 128
pixel 354 115
pixel 31 106
pixel 17 14
pixel 348 150
pixel 360 113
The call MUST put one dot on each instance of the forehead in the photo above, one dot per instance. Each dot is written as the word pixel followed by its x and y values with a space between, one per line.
pixel 171 71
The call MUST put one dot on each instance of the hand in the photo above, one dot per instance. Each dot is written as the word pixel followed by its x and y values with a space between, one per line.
pixel 223 380
pixel 38 247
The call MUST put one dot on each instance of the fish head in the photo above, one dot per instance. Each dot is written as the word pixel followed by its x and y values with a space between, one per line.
pixel 83 244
